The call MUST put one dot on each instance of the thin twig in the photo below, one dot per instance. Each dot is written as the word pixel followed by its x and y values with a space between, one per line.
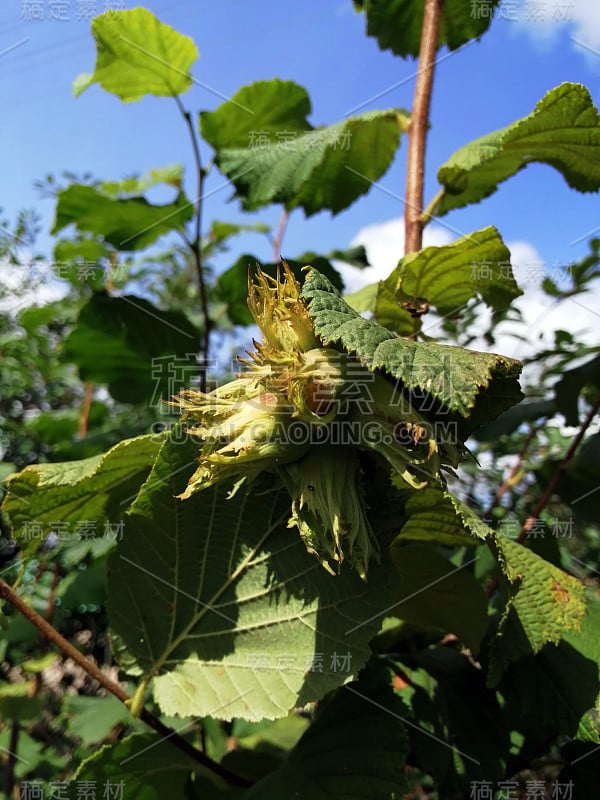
pixel 7 593
pixel 280 234
pixel 195 244
pixel 509 482
pixel 550 488
pixel 86 407
pixel 12 759
pixel 417 130
pixel 545 498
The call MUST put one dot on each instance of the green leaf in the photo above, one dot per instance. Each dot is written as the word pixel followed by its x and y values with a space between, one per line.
pixel 355 749
pixel 132 346
pixel 146 766
pixel 364 299
pixel 221 603
pixel 452 375
pixel 96 489
pixel 138 55
pixel 327 168
pixel 129 224
pixel 476 265
pixel 543 605
pixel 436 594
pixel 397 24
pixel 232 285
pixel 563 131
pixel 221 231
pixel 264 112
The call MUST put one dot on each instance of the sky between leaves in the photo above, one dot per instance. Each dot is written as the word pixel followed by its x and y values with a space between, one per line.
pixel 532 46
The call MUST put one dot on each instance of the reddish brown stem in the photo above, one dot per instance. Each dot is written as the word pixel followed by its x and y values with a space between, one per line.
pixel 417 131
pixel 86 407
pixel 279 236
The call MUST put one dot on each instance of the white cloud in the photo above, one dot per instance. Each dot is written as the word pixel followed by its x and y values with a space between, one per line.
pixel 384 243
pixel 544 19
pixel 28 285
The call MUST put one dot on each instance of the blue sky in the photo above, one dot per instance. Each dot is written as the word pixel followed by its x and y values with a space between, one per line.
pixel 320 44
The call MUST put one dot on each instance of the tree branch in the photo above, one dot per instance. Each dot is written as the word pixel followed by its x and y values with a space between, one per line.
pixel 417 130
pixel 7 593
pixel 279 236
pixel 195 244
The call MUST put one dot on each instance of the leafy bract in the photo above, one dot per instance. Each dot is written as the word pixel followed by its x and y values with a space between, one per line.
pixel 129 224
pixel 563 131
pixel 262 113
pixel 128 344
pixel 544 604
pixel 355 749
pixel 232 285
pixel 447 277
pixel 452 375
pixel 326 168
pixel 138 55
pixel 221 604
pixel 95 489
pixel 397 24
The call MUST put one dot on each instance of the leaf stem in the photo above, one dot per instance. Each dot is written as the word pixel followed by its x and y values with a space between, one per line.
pixel 195 244
pixel 7 593
pixel 417 129
pixel 429 212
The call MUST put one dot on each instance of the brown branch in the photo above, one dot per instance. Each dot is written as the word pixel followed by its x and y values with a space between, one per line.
pixel 7 593
pixel 417 129
pixel 86 407
pixel 195 244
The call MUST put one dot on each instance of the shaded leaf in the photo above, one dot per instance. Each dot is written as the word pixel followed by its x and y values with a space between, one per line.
pixel 433 515
pixel 138 55
pixel 355 749
pixel 222 604
pixel 568 389
pixel 129 224
pixel 128 344
pixel 563 131
pixel 148 768
pixel 460 734
pixel 436 594
pixel 509 421
pixel 397 24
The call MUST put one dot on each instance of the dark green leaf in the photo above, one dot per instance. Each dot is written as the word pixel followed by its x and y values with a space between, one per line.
pixel 397 24
pixel 355 749
pixel 436 594
pixel 568 389
pixel 133 347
